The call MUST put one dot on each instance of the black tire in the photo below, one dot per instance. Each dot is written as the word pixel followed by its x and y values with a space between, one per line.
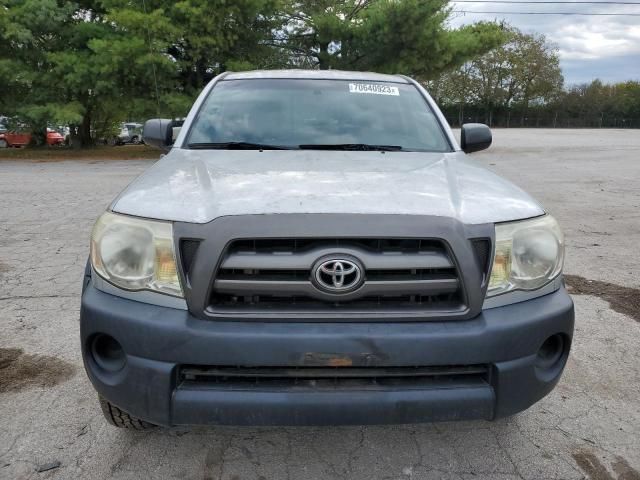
pixel 121 419
pixel 4 143
pixel 135 140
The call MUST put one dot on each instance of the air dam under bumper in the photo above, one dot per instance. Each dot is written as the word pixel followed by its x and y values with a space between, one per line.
pixel 160 342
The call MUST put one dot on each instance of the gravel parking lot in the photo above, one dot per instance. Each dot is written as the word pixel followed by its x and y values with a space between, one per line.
pixel 588 427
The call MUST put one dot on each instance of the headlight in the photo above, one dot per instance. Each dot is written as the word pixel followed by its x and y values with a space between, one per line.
pixel 528 255
pixel 135 254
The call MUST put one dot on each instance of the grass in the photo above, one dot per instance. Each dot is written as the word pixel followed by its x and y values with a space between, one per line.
pixel 58 154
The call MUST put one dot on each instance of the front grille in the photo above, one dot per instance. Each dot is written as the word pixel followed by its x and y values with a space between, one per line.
pixel 276 275
pixel 328 378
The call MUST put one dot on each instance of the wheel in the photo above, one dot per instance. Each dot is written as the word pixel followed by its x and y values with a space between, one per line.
pixel 120 418
pixel 3 143
pixel 135 140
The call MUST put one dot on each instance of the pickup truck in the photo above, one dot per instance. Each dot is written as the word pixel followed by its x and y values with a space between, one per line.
pixel 316 248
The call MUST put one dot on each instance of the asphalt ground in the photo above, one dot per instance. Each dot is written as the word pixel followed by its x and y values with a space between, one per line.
pixel 588 427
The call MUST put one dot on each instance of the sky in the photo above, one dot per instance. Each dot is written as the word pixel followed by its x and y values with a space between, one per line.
pixel 590 47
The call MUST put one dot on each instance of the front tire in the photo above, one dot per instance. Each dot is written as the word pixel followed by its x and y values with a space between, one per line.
pixel 135 140
pixel 120 418
pixel 3 143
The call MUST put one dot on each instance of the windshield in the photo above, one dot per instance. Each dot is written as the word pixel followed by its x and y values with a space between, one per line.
pixel 316 114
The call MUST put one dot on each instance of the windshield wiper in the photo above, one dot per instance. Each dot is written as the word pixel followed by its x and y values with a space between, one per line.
pixel 236 146
pixel 351 146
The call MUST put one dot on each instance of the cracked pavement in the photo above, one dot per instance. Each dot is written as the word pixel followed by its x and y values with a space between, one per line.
pixel 51 426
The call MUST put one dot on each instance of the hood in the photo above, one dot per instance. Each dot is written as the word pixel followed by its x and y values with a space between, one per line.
pixel 198 186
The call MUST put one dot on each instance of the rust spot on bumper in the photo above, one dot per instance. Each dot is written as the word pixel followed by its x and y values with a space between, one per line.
pixel 322 359
pixel 313 359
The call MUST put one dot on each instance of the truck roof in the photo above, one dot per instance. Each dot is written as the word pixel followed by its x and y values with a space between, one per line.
pixel 316 75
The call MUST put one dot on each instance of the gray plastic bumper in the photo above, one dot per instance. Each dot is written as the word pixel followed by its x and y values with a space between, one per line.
pixel 158 340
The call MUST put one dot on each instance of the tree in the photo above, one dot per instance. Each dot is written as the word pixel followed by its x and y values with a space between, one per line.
pixel 626 99
pixel 201 38
pixel 98 62
pixel 456 87
pixel 29 32
pixel 68 64
pixel 523 71
pixel 598 104
pixel 408 36
pixel 94 63
pixel 537 76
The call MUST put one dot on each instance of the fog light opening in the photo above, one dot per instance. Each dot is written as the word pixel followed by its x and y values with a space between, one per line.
pixel 551 351
pixel 108 353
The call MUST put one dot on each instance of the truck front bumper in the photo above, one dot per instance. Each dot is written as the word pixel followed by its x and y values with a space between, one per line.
pixel 158 343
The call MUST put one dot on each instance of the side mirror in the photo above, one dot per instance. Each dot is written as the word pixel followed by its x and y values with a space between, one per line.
pixel 158 132
pixel 475 137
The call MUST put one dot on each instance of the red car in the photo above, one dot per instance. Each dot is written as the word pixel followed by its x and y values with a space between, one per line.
pixel 14 139
pixel 54 138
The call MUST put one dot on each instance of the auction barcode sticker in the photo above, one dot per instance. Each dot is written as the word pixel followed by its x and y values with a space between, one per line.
pixel 373 88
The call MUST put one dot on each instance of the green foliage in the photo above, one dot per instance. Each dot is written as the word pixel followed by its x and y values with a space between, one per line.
pixel 626 98
pixel 197 39
pixel 408 36
pixel 521 84
pixel 523 70
pixel 95 63
pixel 598 102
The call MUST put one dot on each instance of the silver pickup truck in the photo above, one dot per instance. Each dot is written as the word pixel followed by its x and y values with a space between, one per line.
pixel 316 248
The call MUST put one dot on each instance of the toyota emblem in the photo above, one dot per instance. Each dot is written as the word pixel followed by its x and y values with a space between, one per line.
pixel 337 275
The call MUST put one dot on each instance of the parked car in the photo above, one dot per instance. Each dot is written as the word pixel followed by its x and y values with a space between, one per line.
pixel 65 132
pixel 130 133
pixel 22 139
pixel 54 138
pixel 14 139
pixel 317 248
